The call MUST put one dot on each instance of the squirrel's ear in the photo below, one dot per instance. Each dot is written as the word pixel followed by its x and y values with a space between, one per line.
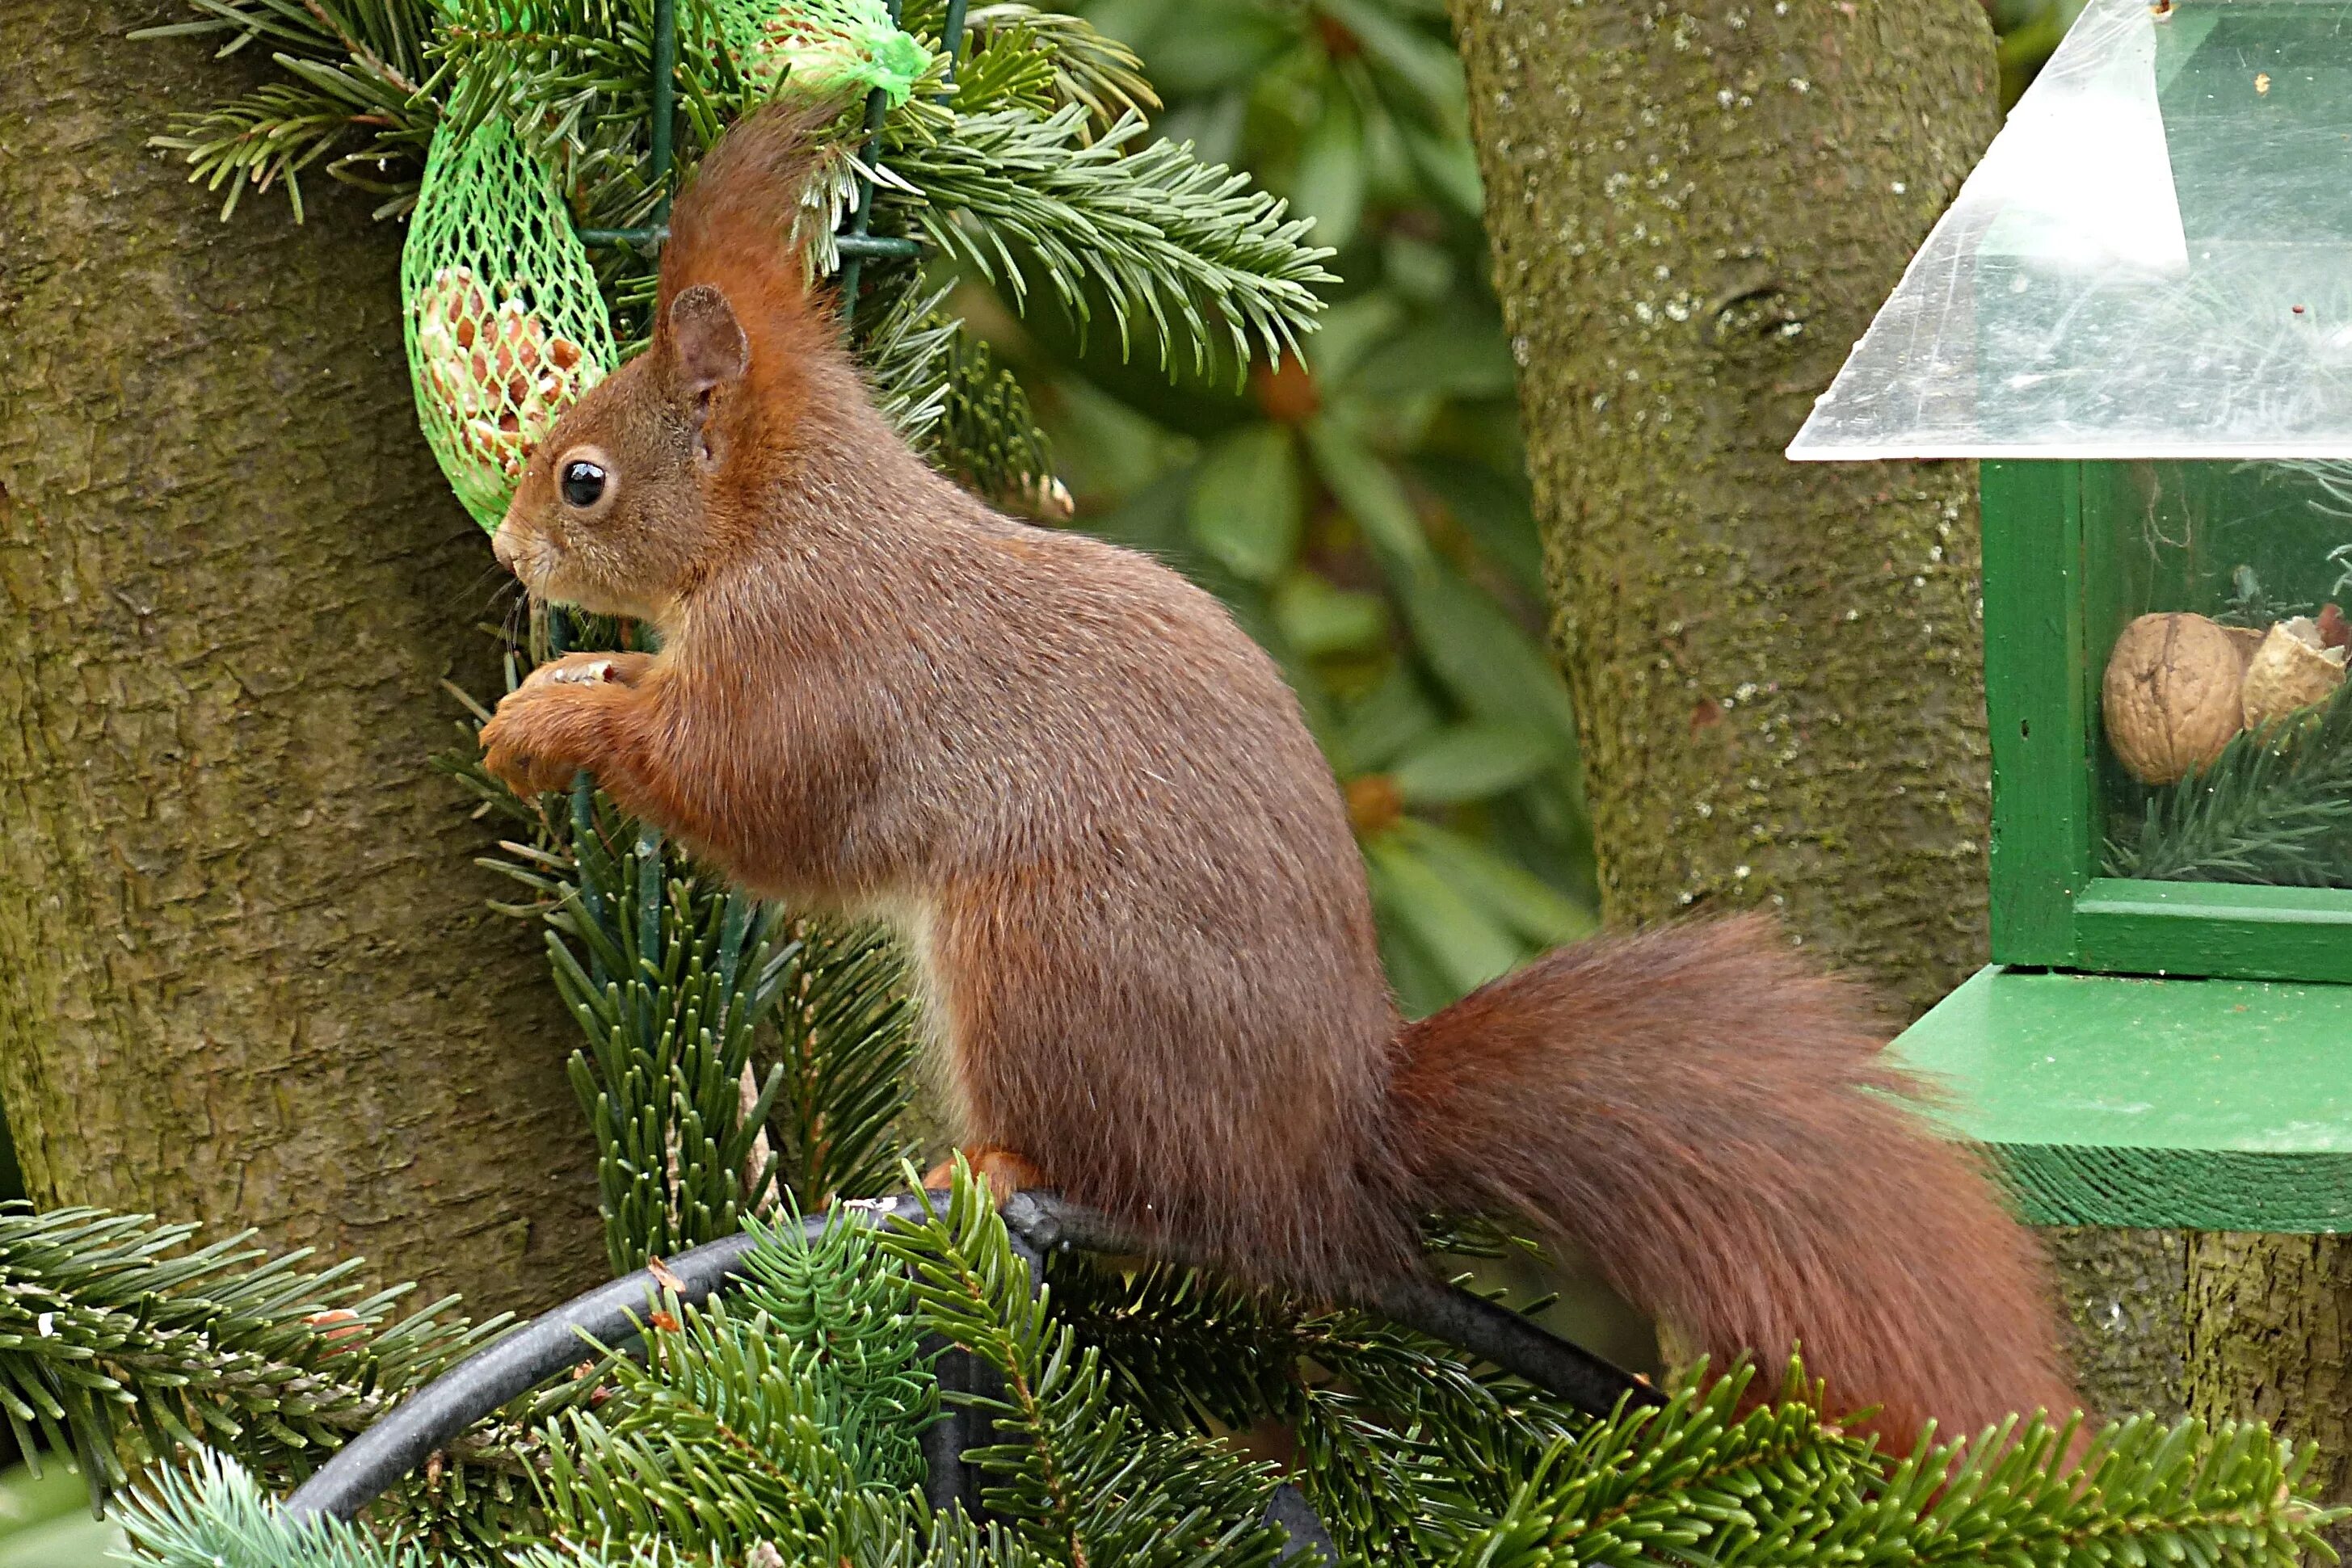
pixel 711 352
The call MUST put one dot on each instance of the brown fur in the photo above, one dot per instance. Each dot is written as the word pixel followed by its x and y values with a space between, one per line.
pixel 1138 906
pixel 1715 1122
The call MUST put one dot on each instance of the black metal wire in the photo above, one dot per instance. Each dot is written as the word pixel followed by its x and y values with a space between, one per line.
pixel 427 1419
pixel 663 132
pixel 1491 1332
pixel 878 104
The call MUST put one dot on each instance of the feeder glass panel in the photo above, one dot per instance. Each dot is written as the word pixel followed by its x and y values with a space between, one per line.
pixel 2214 601
pixel 2154 259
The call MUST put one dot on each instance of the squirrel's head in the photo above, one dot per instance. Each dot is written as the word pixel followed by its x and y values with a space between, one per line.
pixel 614 513
pixel 628 502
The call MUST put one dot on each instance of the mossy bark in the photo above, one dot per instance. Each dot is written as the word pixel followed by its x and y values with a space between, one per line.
pixel 2221 1325
pixel 2269 1334
pixel 246 972
pixel 1694 210
pixel 2127 1297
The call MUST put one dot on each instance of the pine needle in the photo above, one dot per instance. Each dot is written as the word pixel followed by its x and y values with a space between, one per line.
pixel 780 1425
pixel 2275 808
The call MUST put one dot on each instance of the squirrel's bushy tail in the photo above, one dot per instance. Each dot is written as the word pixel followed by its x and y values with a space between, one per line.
pixel 1713 1124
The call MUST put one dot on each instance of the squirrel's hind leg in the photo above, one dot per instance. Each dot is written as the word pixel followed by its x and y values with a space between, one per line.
pixel 1005 1172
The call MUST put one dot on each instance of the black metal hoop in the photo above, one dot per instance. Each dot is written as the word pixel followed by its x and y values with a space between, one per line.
pixel 427 1419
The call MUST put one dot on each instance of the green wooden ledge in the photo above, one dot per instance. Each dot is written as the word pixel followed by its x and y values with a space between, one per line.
pixel 2109 1101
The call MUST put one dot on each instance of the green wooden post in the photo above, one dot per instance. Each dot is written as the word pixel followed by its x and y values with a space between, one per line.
pixel 2037 708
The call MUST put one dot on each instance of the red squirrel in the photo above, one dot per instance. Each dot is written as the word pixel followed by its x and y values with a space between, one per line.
pixel 1138 914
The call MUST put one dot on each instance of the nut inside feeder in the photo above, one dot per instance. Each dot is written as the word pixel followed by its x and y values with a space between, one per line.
pixel 2173 695
pixel 2294 668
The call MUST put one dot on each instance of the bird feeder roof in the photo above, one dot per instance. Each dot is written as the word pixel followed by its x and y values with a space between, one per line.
pixel 2154 258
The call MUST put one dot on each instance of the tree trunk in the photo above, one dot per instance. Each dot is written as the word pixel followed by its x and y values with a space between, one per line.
pixel 1694 212
pixel 2221 1325
pixel 246 972
pixel 2269 1335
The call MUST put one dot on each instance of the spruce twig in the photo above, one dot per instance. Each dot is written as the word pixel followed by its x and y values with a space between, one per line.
pixel 1189 249
pixel 777 1426
pixel 2273 808
pixel 123 1343
pixel 846 1036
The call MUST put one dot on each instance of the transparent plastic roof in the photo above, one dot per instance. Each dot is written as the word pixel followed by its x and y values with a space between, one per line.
pixel 2153 260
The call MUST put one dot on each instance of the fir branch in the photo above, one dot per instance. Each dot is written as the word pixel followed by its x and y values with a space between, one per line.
pixel 217 1516
pixel 907 352
pixel 1007 69
pixel 553 66
pixel 385 39
pixel 668 977
pixel 1148 232
pixel 1080 1479
pixel 1151 233
pixel 1403 1448
pixel 988 438
pixel 1097 73
pixel 851 1313
pixel 2273 808
pixel 2145 1491
pixel 367 58
pixel 265 137
pixel 120 1341
pixel 1082 66
pixel 268 136
pixel 356 67
pixel 846 1036
pixel 1692 1477
pixel 778 1427
pixel 1184 1346
pixel 941 388
pixel 785 1415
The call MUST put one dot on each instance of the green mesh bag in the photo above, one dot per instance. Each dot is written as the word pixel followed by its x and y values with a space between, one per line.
pixel 821 45
pixel 505 325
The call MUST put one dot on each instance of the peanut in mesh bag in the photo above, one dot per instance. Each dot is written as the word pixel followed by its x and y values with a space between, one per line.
pixel 505 325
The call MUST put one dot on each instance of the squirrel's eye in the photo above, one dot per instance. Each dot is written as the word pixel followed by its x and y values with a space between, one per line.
pixel 583 484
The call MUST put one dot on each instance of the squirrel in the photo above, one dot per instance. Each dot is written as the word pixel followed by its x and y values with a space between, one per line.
pixel 1139 919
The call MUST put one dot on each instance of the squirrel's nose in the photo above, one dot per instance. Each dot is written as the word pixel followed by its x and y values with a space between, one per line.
pixel 502 546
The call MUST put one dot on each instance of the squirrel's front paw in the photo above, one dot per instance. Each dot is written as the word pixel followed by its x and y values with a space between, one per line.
pixel 527 745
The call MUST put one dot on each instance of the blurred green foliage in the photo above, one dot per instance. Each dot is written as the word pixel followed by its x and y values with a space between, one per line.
pixel 45 1521
pixel 2029 30
pixel 1365 512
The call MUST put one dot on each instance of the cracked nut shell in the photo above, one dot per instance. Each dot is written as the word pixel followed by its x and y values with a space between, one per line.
pixel 2293 669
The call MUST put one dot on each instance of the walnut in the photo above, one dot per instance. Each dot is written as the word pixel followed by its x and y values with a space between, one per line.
pixel 2170 696
pixel 2293 669
pixel 2248 640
